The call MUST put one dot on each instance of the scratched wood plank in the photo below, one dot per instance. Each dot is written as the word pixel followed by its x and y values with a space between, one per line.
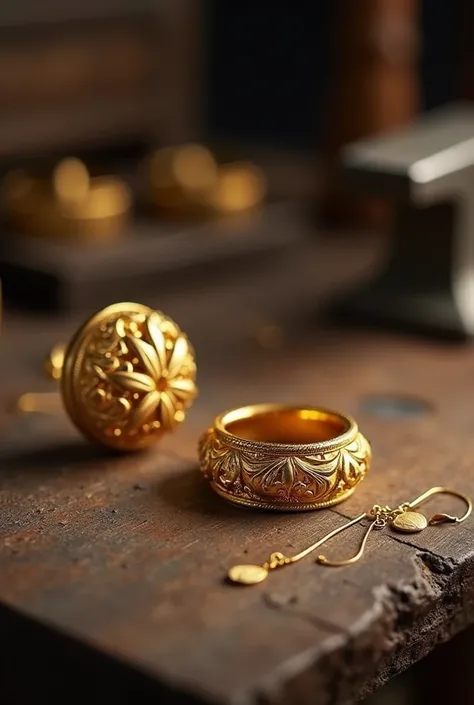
pixel 111 568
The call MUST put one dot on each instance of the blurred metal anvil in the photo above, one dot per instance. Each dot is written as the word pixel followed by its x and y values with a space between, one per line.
pixel 427 171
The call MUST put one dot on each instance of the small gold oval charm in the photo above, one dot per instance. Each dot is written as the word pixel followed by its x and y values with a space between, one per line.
pixel 247 574
pixel 410 522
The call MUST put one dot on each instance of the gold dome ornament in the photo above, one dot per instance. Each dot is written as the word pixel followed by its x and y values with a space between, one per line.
pixel 128 376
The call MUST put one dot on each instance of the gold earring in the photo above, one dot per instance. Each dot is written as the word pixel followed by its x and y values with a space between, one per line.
pixel 404 518
pixel 127 377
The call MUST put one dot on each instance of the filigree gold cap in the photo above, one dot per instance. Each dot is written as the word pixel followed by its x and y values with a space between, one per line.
pixel 128 376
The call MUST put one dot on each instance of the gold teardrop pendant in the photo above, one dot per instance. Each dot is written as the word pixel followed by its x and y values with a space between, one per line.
pixel 410 522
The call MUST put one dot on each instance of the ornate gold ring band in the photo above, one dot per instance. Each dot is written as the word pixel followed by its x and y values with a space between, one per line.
pixel 271 456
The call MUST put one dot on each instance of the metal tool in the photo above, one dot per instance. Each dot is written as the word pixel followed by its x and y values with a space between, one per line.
pixel 427 171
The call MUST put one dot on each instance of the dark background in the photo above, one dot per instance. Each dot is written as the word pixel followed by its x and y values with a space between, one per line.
pixel 269 67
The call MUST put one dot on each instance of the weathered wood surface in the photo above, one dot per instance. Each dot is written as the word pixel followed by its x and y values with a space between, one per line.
pixel 111 568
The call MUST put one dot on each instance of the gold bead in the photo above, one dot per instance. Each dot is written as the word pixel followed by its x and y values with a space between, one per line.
pixel 247 574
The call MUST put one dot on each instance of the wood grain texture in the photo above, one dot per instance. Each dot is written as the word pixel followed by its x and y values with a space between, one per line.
pixel 112 566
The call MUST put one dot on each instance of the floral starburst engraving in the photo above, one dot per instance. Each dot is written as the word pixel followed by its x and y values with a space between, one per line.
pixel 153 374
pixel 300 477
pixel 294 480
pixel 354 460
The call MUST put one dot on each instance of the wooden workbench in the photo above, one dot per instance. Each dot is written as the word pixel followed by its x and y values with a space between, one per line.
pixel 112 568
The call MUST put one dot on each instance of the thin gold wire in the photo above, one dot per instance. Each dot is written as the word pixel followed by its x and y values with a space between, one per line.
pixel 379 517
pixel 322 560
pixel 418 501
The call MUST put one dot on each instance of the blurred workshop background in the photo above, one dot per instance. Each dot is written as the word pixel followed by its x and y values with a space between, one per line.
pixel 120 120
pixel 141 138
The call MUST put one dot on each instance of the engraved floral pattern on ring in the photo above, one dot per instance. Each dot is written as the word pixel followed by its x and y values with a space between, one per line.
pixel 296 478
pixel 287 479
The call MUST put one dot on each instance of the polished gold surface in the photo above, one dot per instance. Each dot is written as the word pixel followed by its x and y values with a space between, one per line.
pixel 248 574
pixel 239 187
pixel 128 377
pixel 53 365
pixel 402 518
pixel 39 403
pixel 190 166
pixel 186 181
pixel 71 180
pixel 410 522
pixel 271 456
pixel 70 204
pixel 179 179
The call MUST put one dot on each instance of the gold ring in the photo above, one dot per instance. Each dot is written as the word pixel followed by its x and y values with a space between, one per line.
pixel 128 376
pixel 271 456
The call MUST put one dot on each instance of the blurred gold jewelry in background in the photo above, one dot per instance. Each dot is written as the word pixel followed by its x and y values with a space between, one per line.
pixel 240 186
pixel 54 362
pixel 187 181
pixel 127 377
pixel 69 204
